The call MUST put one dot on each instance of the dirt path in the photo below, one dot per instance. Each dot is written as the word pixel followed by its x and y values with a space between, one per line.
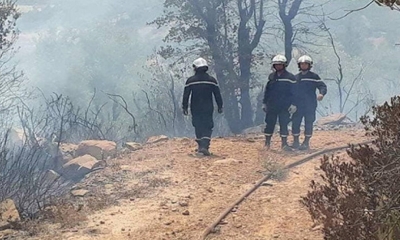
pixel 164 192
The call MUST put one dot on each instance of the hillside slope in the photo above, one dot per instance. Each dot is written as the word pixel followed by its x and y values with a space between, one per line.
pixel 164 191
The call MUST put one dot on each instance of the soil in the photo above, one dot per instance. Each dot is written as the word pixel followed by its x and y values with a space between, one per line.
pixel 165 191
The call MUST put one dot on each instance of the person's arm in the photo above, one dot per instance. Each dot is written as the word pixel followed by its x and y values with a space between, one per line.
pixel 217 95
pixel 186 93
pixel 267 91
pixel 293 95
pixel 321 86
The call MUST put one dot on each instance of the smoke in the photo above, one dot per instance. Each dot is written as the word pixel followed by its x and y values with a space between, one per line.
pixel 63 45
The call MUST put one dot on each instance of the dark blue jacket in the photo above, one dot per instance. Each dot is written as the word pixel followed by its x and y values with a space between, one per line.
pixel 280 91
pixel 201 87
pixel 307 84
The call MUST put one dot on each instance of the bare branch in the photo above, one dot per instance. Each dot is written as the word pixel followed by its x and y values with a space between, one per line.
pixel 352 11
pixel 125 107
pixel 152 109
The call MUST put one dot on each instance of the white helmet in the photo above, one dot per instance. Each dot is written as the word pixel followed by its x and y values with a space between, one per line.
pixel 200 62
pixel 305 59
pixel 279 59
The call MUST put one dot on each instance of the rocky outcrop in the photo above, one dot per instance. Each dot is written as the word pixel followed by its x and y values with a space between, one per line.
pixel 99 149
pixel 78 167
pixel 9 214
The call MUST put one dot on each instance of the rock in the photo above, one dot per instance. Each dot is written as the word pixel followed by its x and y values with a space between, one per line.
pixel 16 138
pixel 8 214
pixel 168 223
pixel 100 149
pixel 68 152
pixel 80 166
pixel 226 161
pixel 254 130
pixel 186 212
pixel 133 146
pixel 102 222
pixel 79 192
pixel 157 139
pixel 186 140
pixel 92 231
pixel 189 196
pixel 333 119
pixel 51 176
pixel 68 148
pixel 183 204
pixel 6 233
pixel 66 158
pixel 210 190
pixel 316 228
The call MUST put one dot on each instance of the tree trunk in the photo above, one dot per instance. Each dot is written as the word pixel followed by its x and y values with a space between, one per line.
pixel 115 110
pixel 226 82
pixel 231 107
pixel 288 39
pixel 247 113
pixel 245 73
pixel 287 23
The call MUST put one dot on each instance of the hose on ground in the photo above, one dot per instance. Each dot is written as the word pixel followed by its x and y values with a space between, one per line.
pixel 223 215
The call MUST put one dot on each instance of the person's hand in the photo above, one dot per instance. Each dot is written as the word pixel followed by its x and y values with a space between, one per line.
pixel 292 109
pixel 220 110
pixel 264 107
pixel 320 97
pixel 185 112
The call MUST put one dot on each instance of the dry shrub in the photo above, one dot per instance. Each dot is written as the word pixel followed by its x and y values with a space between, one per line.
pixel 99 200
pixel 360 199
pixel 64 213
pixel 273 166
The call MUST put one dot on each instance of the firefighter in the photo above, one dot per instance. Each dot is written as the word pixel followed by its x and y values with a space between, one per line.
pixel 278 101
pixel 307 84
pixel 200 88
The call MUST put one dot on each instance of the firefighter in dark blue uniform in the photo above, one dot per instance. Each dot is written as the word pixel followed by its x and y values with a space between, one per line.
pixel 307 84
pixel 200 88
pixel 278 100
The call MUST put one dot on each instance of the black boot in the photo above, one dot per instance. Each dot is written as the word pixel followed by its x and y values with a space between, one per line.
pixel 198 145
pixel 205 144
pixel 296 142
pixel 205 152
pixel 285 146
pixel 268 141
pixel 306 144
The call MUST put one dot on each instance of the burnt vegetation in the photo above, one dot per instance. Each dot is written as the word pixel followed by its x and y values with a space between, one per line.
pixel 359 197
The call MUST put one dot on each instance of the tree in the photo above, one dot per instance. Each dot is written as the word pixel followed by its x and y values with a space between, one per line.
pixel 10 78
pixel 393 4
pixel 295 31
pixel 229 31
pixel 287 17
pixel 345 92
